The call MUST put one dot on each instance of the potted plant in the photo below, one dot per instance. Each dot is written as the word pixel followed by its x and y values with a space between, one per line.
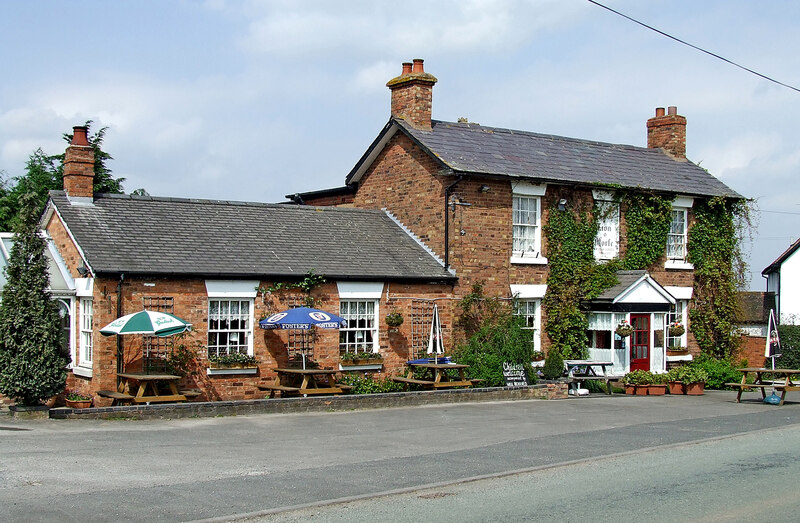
pixel 676 329
pixel 537 355
pixel 674 381
pixel 694 378
pixel 394 319
pixel 234 360
pixel 637 382
pixel 360 358
pixel 77 400
pixel 658 385
pixel 624 329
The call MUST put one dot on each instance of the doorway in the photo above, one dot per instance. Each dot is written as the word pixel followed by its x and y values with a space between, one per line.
pixel 640 342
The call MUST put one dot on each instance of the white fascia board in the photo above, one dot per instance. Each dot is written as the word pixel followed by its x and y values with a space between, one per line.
pixel 231 288
pixel 528 188
pixel 374 153
pixel 683 201
pixel 365 290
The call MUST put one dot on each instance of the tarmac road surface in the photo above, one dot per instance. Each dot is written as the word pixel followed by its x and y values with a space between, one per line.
pixel 190 469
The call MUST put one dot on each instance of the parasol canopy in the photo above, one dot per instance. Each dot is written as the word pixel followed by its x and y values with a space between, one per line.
pixel 146 322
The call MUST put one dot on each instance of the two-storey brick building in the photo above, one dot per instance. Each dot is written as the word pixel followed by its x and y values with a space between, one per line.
pixel 479 197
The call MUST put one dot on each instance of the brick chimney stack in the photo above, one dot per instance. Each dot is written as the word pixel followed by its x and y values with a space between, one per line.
pixel 79 165
pixel 412 95
pixel 668 132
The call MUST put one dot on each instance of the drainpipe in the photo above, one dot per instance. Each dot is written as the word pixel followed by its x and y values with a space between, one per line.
pixel 447 192
pixel 119 315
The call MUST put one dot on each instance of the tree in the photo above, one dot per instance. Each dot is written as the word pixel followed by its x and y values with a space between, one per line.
pixel 33 361
pixel 45 173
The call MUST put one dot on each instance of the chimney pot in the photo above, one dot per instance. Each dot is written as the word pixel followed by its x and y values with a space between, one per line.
pixel 659 111
pixel 672 110
pixel 79 135
pixel 406 68
pixel 418 68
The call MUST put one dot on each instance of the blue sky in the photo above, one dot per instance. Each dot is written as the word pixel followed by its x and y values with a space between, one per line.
pixel 252 100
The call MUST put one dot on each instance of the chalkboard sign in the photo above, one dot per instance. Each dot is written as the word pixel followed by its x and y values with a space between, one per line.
pixel 515 375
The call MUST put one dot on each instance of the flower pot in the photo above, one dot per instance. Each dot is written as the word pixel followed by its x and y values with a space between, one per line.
pixel 656 390
pixel 677 387
pixel 78 404
pixel 695 389
pixel 630 388
pixel 642 390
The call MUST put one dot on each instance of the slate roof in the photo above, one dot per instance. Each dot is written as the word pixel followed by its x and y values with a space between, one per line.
pixel 754 307
pixel 172 236
pixel 470 148
pixel 625 279
pixel 776 265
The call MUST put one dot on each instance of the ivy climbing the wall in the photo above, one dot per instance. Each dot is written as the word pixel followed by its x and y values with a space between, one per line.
pixel 714 249
pixel 647 218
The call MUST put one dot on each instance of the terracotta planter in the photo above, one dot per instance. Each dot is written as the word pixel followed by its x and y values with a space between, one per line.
pixel 78 404
pixel 695 389
pixel 642 390
pixel 677 387
pixel 630 389
pixel 656 390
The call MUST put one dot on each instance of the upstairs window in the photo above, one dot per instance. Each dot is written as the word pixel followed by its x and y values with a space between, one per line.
pixel 526 227
pixel 677 237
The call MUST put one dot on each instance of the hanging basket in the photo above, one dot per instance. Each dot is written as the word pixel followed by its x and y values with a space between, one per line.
pixel 676 329
pixel 624 329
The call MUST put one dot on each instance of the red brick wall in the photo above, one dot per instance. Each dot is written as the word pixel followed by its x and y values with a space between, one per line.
pixel 752 349
pixel 335 200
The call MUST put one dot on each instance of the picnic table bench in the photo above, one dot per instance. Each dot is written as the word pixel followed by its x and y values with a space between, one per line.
pixel 116 397
pixel 436 376
pixel 787 376
pixel 311 381
pixel 587 370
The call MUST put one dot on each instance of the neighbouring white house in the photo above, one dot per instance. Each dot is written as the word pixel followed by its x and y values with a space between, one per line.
pixel 783 278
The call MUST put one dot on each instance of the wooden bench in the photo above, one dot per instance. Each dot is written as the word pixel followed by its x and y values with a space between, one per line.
pixel 278 388
pixel 190 393
pixel 412 381
pixel 117 397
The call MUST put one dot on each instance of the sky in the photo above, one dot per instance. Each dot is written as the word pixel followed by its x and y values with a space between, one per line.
pixel 253 100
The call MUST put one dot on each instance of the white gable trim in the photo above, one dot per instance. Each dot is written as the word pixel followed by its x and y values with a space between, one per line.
pixel 645 290
pixel 367 290
pixel 373 154
pixel 51 208
pixel 231 288
pixel 528 292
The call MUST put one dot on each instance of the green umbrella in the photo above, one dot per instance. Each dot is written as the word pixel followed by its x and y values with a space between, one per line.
pixel 146 322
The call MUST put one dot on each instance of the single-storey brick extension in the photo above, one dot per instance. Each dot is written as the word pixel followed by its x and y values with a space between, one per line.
pixel 429 209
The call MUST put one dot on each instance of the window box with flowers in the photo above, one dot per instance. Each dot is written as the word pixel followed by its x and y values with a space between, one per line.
pixel 233 363
pixel 361 360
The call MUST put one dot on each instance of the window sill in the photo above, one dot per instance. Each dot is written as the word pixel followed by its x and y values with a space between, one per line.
pixel 682 357
pixel 679 265
pixel 528 261
pixel 83 372
pixel 372 366
pixel 223 372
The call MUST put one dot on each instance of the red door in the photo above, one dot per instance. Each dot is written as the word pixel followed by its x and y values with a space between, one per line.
pixel 640 342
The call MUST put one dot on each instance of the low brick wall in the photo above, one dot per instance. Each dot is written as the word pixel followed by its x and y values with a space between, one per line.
pixel 314 404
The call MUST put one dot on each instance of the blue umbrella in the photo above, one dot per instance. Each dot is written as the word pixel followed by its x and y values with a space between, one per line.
pixel 303 318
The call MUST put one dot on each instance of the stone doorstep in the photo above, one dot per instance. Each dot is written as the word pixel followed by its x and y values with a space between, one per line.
pixel 313 404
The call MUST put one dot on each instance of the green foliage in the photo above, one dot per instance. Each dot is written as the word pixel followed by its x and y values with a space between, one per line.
pixel 691 373
pixel 495 336
pixel 719 370
pixel 369 385
pixel 714 249
pixel 553 365
pixel 33 360
pixel 182 359
pixel 647 218
pixel 233 358
pixel 44 173
pixel 394 319
pixel 790 346
pixel 310 282
pixel 349 357
pixel 638 377
pixel 74 395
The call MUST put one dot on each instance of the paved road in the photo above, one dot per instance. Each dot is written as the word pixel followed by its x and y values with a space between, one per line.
pixel 219 467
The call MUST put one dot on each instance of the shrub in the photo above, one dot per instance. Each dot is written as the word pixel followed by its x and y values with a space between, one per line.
pixel 553 365
pixel 719 371
pixel 638 377
pixel 790 347
pixel 692 373
pixel 369 385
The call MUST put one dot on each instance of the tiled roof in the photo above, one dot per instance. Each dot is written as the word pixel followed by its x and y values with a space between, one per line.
pixel 625 279
pixel 171 236
pixel 475 149
pixel 754 307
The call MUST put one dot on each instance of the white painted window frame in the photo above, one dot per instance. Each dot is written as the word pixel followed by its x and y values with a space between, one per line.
pixel 533 318
pixel 241 291
pixel 681 204
pixel 86 356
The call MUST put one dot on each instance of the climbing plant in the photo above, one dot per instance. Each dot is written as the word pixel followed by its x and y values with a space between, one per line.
pixel 647 219
pixel 307 284
pixel 714 249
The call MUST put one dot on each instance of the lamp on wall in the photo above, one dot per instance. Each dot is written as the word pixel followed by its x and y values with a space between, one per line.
pixel 484 188
pixel 562 204
pixel 82 270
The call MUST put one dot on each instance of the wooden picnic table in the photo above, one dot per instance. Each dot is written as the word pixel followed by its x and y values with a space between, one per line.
pixel 150 387
pixel 304 381
pixel 785 381
pixel 435 375
pixel 583 370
